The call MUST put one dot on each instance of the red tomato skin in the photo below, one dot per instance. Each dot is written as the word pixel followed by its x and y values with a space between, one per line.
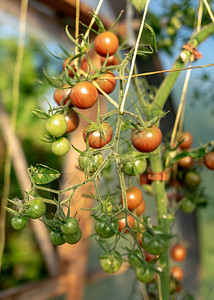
pixel 106 82
pixel 83 95
pixel 146 140
pixel 95 138
pixel 62 94
pixel 72 119
pixel 122 222
pixel 141 208
pixel 111 61
pixel 178 252
pixel 134 197
pixel 106 42
pixel 209 160
pixel 188 140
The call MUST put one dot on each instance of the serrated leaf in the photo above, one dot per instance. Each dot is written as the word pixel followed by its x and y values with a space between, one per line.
pixel 43 174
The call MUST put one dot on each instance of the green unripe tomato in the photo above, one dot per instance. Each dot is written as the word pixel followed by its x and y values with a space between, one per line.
pixel 135 166
pixel 37 209
pixel 19 222
pixel 56 238
pixel 153 244
pixel 56 125
pixel 74 238
pixel 70 226
pixel 188 206
pixel 144 274
pixel 105 229
pixel 60 147
pixel 192 179
pixel 90 164
pixel 133 259
pixel 111 263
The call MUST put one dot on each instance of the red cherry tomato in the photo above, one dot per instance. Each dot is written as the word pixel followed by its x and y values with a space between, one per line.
pixel 178 252
pixel 134 197
pixel 144 179
pixel 106 42
pixel 72 119
pixel 209 160
pixel 83 95
pixel 141 208
pixel 186 162
pixel 95 138
pixel 122 222
pixel 146 140
pixel 66 65
pixel 61 96
pixel 111 61
pixel 106 82
pixel 177 273
pixel 188 140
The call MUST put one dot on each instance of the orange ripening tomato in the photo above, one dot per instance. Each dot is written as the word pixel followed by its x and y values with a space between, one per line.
pixel 178 252
pixel 177 273
pixel 187 140
pixel 122 222
pixel 134 197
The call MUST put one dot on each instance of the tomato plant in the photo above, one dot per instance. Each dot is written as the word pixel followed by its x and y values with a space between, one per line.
pixel 106 43
pixel 146 140
pixel 83 95
pixel 98 138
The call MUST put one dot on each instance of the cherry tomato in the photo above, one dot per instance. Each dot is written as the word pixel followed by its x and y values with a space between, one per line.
pixel 99 138
pixel 177 273
pixel 111 263
pixel 134 197
pixel 106 43
pixel 153 244
pixel 188 140
pixel 106 229
pixel 61 146
pixel 56 238
pixel 148 256
pixel 83 95
pixel 122 222
pixel 70 226
pixel 146 140
pixel 140 208
pixel 144 274
pixel 74 238
pixel 19 222
pixel 134 258
pixel 90 164
pixel 61 96
pixel 186 162
pixel 72 119
pixel 209 160
pixel 135 165
pixel 37 209
pixel 187 206
pixel 178 252
pixel 56 125
pixel 66 65
pixel 111 61
pixel 192 179
pixel 106 82
pixel 144 179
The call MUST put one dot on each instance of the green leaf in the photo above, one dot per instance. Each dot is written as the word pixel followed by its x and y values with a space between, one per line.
pixel 139 5
pixel 54 81
pixel 11 211
pixel 43 174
